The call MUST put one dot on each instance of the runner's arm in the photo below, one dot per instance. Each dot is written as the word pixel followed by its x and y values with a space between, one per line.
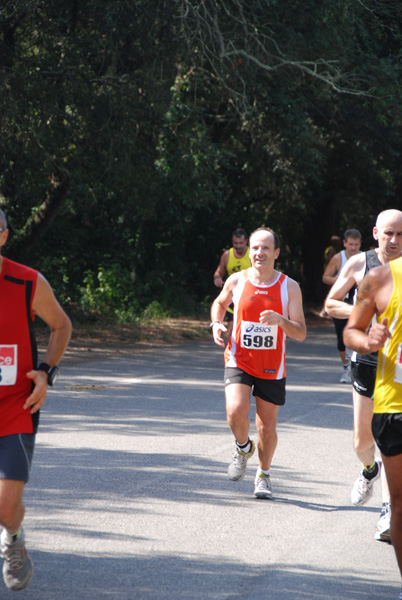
pixel 221 269
pixel 357 334
pixel 329 276
pixel 47 308
pixel 334 304
pixel 219 307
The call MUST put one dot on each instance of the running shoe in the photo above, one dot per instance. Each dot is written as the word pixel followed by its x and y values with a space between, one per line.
pixel 346 377
pixel 362 489
pixel 237 468
pixel 383 533
pixel 262 487
pixel 18 567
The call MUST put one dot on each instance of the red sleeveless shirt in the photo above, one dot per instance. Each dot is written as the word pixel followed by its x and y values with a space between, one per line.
pixel 18 353
pixel 254 347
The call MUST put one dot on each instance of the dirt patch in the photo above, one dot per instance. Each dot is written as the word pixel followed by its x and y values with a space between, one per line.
pixel 95 341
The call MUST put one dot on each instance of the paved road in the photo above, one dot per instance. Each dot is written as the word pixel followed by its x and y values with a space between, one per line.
pixel 129 497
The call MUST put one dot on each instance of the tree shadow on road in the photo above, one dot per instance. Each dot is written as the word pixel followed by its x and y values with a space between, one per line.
pixel 171 577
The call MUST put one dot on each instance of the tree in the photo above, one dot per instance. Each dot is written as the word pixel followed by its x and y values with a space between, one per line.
pixel 137 135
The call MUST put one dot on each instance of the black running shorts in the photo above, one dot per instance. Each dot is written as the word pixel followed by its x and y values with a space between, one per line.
pixel 363 378
pixel 270 390
pixel 16 453
pixel 339 325
pixel 387 432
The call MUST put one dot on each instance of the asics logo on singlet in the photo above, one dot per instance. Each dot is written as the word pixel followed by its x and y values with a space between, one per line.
pixel 258 329
pixel 262 292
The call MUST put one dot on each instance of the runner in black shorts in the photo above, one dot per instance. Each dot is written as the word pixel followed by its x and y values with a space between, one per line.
pixel 268 308
pixel 387 233
pixel 375 324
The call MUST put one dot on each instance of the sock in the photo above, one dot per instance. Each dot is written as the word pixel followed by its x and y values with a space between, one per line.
pixel 370 471
pixel 345 365
pixel 6 537
pixel 244 447
pixel 266 473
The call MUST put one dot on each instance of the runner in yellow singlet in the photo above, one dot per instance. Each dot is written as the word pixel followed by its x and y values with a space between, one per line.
pixel 380 294
pixel 232 261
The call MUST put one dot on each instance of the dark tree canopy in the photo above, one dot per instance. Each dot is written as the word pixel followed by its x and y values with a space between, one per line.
pixel 136 135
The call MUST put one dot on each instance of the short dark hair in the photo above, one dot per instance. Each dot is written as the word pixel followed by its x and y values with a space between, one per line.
pixel 3 219
pixel 239 233
pixel 269 230
pixel 352 233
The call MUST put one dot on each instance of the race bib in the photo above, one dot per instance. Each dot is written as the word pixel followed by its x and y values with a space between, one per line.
pixel 398 366
pixel 8 364
pixel 258 336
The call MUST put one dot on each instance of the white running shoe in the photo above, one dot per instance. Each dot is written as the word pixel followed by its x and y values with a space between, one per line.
pixel 262 487
pixel 383 533
pixel 238 466
pixel 18 567
pixel 346 376
pixel 362 489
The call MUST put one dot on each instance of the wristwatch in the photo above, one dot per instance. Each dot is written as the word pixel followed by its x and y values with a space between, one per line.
pixel 52 373
pixel 213 323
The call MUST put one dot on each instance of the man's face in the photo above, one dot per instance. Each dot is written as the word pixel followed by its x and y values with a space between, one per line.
pixel 239 244
pixel 262 249
pixel 389 237
pixel 352 246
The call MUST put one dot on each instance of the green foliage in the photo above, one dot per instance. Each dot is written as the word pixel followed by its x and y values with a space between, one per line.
pixel 137 135
pixel 154 311
pixel 108 292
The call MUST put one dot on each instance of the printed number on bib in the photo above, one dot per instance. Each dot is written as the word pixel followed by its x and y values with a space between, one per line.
pixel 398 366
pixel 257 336
pixel 8 364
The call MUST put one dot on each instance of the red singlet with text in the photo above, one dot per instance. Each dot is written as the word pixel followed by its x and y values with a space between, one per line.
pixel 18 353
pixel 254 347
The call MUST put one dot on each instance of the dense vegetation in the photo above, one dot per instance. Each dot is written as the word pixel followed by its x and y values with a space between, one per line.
pixel 137 134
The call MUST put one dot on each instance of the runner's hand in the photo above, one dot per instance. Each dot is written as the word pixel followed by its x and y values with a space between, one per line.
pixel 378 335
pixel 217 330
pixel 270 317
pixel 37 398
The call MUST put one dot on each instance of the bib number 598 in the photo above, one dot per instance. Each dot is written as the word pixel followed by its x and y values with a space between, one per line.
pixel 258 341
pixel 257 336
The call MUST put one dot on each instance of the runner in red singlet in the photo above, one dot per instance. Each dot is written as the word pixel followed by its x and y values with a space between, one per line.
pixel 267 308
pixel 24 293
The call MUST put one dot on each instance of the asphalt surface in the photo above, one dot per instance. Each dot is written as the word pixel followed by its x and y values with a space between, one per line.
pixel 129 496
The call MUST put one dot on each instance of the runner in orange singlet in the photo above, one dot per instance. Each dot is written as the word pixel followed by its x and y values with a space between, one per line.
pixel 267 309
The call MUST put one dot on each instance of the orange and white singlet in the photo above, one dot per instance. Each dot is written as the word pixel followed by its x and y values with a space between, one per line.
pixel 254 347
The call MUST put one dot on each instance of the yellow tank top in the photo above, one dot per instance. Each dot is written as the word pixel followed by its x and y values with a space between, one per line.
pixel 388 387
pixel 237 264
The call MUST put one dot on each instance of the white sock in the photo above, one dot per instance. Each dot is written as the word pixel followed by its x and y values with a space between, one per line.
pixel 7 537
pixel 245 448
